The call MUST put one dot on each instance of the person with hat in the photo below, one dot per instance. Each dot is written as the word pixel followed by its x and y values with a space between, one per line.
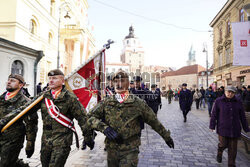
pixel 11 141
pixel 210 95
pixel 154 99
pixel 185 100
pixel 118 118
pixel 58 108
pixel 139 91
pixel 110 88
pixel 228 116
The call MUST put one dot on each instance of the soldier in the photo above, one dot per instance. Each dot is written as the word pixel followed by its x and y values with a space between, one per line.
pixel 110 88
pixel 118 118
pixel 154 99
pixel 59 107
pixel 139 91
pixel 170 94
pixel 185 101
pixel 11 141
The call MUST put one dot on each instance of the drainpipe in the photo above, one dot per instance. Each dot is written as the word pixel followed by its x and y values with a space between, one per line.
pixel 39 57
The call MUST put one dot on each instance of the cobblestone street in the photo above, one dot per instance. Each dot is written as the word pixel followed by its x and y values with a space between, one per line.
pixel 195 144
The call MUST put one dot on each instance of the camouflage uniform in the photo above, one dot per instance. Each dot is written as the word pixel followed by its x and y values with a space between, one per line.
pixel 124 118
pixel 11 141
pixel 56 138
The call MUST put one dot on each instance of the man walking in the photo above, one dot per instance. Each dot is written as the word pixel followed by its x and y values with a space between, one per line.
pixel 118 117
pixel 202 100
pixel 228 116
pixel 185 101
pixel 11 141
pixel 210 95
pixel 154 99
pixel 58 108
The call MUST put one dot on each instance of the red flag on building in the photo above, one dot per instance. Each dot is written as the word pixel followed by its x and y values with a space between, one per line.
pixel 87 81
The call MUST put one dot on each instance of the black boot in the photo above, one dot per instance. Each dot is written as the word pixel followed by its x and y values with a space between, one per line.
pixel 219 155
pixel 185 118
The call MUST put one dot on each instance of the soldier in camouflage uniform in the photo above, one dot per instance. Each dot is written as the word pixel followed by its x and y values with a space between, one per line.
pixel 11 141
pixel 56 138
pixel 118 117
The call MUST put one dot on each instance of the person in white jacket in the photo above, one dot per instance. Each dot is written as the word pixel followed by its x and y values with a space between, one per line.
pixel 196 97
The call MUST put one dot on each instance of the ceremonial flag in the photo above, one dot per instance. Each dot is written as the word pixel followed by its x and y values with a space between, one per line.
pixel 87 81
pixel 241 43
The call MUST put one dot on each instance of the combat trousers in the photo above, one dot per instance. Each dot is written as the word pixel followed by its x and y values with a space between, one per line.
pixel 118 158
pixel 231 144
pixel 54 156
pixel 9 152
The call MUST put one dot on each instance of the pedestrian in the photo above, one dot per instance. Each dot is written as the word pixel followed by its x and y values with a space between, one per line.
pixel 139 91
pixel 11 141
pixel 170 94
pixel 118 118
pixel 210 95
pixel 39 88
pixel 58 108
pixel 246 101
pixel 196 97
pixel 154 99
pixel 110 88
pixel 202 100
pixel 228 116
pixel 220 91
pixel 46 87
pixel 185 101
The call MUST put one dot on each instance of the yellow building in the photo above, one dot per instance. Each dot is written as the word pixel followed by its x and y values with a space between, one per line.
pixel 224 71
pixel 35 24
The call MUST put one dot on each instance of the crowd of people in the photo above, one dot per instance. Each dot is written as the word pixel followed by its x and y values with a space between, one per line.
pixel 120 116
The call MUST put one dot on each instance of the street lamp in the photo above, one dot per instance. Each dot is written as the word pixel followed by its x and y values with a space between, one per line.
pixel 247 9
pixel 205 50
pixel 59 22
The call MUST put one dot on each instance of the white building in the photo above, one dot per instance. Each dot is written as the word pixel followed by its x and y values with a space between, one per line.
pixel 133 52
pixel 112 68
pixel 18 59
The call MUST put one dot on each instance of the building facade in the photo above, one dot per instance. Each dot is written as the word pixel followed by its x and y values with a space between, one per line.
pixel 202 78
pixel 36 24
pixel 18 59
pixel 224 72
pixel 133 52
pixel 187 74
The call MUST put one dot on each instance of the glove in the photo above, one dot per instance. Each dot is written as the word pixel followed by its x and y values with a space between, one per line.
pixel 29 148
pixel 170 142
pixel 90 144
pixel 3 122
pixel 110 133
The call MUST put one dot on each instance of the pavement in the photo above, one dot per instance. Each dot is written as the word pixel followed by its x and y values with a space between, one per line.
pixel 195 144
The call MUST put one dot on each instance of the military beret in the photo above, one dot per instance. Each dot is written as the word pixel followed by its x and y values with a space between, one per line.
pixel 184 84
pixel 109 77
pixel 131 82
pixel 120 74
pixel 18 77
pixel 55 72
pixel 137 78
pixel 153 86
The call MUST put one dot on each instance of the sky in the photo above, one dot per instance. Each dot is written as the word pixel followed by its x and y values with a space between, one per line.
pixel 166 28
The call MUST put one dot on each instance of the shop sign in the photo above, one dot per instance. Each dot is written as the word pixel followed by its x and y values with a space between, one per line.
pixel 245 71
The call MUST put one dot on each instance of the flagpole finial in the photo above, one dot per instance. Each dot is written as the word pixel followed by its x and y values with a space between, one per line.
pixel 107 45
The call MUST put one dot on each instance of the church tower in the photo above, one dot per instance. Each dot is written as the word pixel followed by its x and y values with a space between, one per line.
pixel 191 57
pixel 133 52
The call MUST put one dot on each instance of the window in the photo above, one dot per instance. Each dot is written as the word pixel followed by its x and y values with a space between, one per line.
pixel 33 26
pixel 220 34
pixel 17 67
pixel 228 27
pixel 220 60
pixel 52 7
pixel 50 38
pixel 242 15
pixel 228 55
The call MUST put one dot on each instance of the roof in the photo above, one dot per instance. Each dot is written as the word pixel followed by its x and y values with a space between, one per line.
pixel 117 64
pixel 193 69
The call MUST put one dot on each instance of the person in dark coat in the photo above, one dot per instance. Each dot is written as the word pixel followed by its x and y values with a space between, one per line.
pixel 139 91
pixel 185 100
pixel 246 101
pixel 39 88
pixel 154 99
pixel 210 95
pixel 110 90
pixel 202 100
pixel 220 91
pixel 228 116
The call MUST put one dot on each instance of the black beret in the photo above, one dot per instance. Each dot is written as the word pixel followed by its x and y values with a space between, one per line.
pixel 120 74
pixel 18 77
pixel 153 86
pixel 55 72
pixel 131 82
pixel 137 78
pixel 184 84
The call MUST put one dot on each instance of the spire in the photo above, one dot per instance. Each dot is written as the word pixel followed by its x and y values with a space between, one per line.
pixel 131 33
